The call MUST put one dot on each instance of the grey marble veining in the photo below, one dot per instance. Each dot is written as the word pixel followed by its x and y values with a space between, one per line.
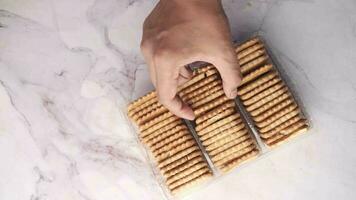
pixel 69 68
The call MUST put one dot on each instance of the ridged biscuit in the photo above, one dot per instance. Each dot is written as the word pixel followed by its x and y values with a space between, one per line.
pixel 172 144
pixel 276 116
pixel 222 128
pixel 280 127
pixel 151 115
pixel 253 64
pixel 188 178
pixel 199 84
pixel 232 150
pixel 215 111
pixel 279 121
pixel 259 81
pixel 175 150
pixel 263 94
pixel 186 172
pixel 191 183
pixel 135 114
pixel 249 50
pixel 192 81
pixel 256 73
pixel 144 105
pixel 247 44
pixel 216 102
pixel 221 141
pixel 172 165
pixel 208 98
pixel 267 99
pixel 164 140
pixel 251 56
pixel 235 155
pixel 215 118
pixel 229 144
pixel 202 90
pixel 260 88
pixel 162 121
pixel 213 139
pixel 270 104
pixel 273 110
pixel 141 100
pixel 286 137
pixel 178 156
pixel 219 124
pixel 231 130
pixel 184 166
pixel 203 69
pixel 168 128
pixel 238 161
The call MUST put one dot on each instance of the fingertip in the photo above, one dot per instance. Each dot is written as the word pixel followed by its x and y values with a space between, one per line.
pixel 187 112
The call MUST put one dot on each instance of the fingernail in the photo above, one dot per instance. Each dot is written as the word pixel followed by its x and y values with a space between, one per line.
pixel 233 94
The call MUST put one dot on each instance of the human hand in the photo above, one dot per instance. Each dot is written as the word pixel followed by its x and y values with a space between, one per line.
pixel 180 32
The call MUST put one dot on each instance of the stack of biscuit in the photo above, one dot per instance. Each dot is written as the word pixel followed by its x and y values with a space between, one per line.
pixel 266 97
pixel 219 126
pixel 167 137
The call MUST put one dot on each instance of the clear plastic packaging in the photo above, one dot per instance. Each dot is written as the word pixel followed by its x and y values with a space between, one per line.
pixel 249 123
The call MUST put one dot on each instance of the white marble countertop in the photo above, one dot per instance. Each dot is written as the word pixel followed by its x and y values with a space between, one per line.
pixel 69 67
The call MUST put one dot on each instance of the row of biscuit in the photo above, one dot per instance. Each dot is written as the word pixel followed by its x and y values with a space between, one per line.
pixel 168 139
pixel 266 97
pixel 219 126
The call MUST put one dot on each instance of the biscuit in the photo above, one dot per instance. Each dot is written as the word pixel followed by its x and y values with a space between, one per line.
pixel 157 123
pixel 249 50
pixel 143 105
pixel 184 166
pixel 285 138
pixel 276 116
pixel 211 72
pixel 232 150
pixel 270 104
pixel 256 73
pixel 215 111
pixel 173 151
pixel 216 102
pixel 199 84
pixel 251 56
pixel 234 155
pixel 192 182
pixel 247 44
pixel 136 114
pixel 203 69
pixel 231 130
pixel 229 144
pixel 273 110
pixel 151 115
pixel 219 124
pixel 141 100
pixel 178 156
pixel 238 161
pixel 188 178
pixel 202 90
pixel 267 99
pixel 172 144
pixel 215 118
pixel 221 141
pixel 168 128
pixel 280 121
pixel 259 81
pixel 253 64
pixel 290 129
pixel 174 164
pixel 214 139
pixel 168 137
pixel 222 128
pixel 204 98
pixel 263 94
pixel 186 172
pixel 280 127
pixel 192 81
pixel 260 88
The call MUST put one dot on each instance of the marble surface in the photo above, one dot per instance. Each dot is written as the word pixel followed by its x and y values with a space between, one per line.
pixel 69 67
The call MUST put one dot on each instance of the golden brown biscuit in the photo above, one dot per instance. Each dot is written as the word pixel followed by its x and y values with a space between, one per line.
pixel 263 94
pixel 219 124
pixel 178 156
pixel 172 144
pixel 204 98
pixel 231 130
pixel 249 50
pixel 267 99
pixel 280 121
pixel 144 105
pixel 270 104
pixel 276 116
pixel 162 131
pixel 186 172
pixel 284 138
pixel 232 150
pixel 175 150
pixel 203 69
pixel 260 88
pixel 259 81
pixel 215 111
pixel 255 74
pixel 216 102
pixel 168 137
pixel 214 139
pixel 195 79
pixel 157 123
pixel 280 127
pixel 151 115
pixel 273 110
pixel 253 64
pixel 198 85
pixel 251 56
pixel 192 183
pixel 188 178
pixel 238 161
pixel 222 128
pixel 137 114
pixel 202 90
pixel 142 100
pixel 215 118
pixel 184 166
pixel 224 140
pixel 174 164
pixel 247 44
pixel 234 155
pixel 229 144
